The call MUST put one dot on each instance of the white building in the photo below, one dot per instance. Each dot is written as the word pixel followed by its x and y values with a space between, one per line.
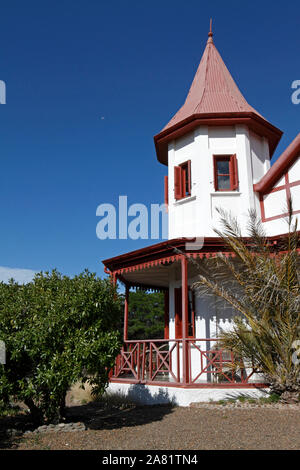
pixel 217 150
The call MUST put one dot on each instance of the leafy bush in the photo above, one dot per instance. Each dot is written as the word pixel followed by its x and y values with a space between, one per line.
pixel 58 331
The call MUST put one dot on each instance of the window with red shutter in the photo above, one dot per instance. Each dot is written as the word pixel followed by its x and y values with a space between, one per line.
pixel 235 179
pixel 225 173
pixel 182 180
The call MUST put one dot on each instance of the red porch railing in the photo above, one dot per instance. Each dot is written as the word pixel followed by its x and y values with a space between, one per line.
pixel 148 361
pixel 161 361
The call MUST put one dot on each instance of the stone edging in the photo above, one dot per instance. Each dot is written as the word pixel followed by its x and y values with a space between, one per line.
pixel 239 405
pixel 53 428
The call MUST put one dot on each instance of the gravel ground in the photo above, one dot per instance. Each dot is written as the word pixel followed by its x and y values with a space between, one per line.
pixel 164 427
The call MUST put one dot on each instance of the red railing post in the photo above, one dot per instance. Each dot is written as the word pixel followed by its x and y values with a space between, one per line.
pixel 138 360
pixel 126 312
pixel 143 360
pixel 178 360
pixel 150 362
pixel 185 354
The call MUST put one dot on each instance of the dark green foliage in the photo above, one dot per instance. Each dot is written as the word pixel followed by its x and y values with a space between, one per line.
pixel 57 331
pixel 146 315
pixel 262 284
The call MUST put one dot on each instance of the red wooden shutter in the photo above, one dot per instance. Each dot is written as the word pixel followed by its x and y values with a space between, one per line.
pixel 183 178
pixel 166 191
pixel 189 176
pixel 234 172
pixel 177 182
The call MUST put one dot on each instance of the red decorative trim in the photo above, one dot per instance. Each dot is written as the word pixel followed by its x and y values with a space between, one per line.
pixel 162 261
pixel 287 185
pixel 275 217
pixel 262 208
pixel 165 252
pixel 279 168
pixel 256 123
pixel 287 188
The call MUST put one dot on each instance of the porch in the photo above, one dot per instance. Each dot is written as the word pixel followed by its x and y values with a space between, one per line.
pixel 181 358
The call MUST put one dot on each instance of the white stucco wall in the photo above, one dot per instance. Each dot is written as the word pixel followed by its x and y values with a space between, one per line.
pixel 260 156
pixel 153 394
pixel 196 215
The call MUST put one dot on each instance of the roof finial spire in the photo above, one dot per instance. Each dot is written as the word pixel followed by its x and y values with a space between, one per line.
pixel 210 34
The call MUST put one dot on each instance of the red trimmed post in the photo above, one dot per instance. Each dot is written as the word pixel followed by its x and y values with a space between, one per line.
pixel 126 312
pixel 166 329
pixel 185 355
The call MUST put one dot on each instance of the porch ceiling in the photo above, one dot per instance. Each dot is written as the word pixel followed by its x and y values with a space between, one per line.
pixel 166 251
pixel 156 276
pixel 159 276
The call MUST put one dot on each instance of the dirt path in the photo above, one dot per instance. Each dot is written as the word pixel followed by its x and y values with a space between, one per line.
pixel 163 427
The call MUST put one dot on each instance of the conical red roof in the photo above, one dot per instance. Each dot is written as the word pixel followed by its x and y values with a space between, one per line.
pixel 213 89
pixel 213 93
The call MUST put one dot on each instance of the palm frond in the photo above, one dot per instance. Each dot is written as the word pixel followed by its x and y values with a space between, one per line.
pixel 261 284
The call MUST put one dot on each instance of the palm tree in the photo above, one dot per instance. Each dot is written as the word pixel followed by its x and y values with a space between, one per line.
pixel 261 283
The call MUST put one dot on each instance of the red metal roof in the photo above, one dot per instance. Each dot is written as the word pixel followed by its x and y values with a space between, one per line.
pixel 169 248
pixel 213 93
pixel 213 89
pixel 278 169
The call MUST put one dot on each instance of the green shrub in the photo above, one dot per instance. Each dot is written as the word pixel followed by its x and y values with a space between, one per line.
pixel 58 331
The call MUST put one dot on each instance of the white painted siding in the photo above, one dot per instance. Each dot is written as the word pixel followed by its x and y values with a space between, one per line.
pixel 196 215
pixel 275 203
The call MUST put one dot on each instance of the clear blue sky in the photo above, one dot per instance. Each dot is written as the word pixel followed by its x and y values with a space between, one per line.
pixel 68 63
